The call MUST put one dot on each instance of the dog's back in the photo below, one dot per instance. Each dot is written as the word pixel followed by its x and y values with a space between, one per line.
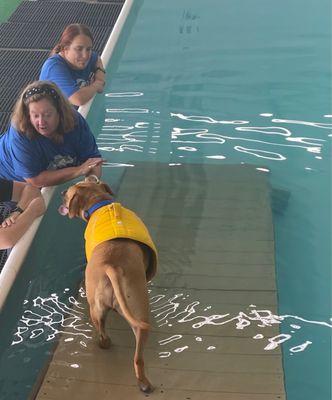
pixel 117 222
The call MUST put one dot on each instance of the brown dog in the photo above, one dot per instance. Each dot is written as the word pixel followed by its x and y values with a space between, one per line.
pixel 121 260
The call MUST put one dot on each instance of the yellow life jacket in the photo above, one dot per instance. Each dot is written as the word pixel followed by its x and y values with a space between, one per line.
pixel 114 221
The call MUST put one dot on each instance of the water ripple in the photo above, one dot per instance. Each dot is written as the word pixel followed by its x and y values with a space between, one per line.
pixel 208 120
pixel 269 130
pixel 121 136
pixel 308 123
pixel 128 110
pixel 48 317
pixel 124 94
pixel 178 309
pixel 269 155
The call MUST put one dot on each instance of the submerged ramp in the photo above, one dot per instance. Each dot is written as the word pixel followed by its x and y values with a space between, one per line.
pixel 213 300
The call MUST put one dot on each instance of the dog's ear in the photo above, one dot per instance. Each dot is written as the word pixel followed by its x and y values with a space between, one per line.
pixel 75 205
pixel 106 188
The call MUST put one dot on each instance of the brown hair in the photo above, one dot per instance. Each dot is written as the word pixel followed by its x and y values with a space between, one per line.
pixel 68 35
pixel 37 91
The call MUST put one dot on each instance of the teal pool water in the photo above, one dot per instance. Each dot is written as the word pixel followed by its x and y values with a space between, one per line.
pixel 207 82
pixel 241 82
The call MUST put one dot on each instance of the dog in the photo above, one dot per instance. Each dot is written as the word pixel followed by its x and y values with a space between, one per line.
pixel 121 257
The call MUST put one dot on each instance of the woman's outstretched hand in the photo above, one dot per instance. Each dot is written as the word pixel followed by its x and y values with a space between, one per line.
pixel 85 168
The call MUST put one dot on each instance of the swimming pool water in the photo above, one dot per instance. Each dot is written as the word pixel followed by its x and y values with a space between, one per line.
pixel 208 82
pixel 241 82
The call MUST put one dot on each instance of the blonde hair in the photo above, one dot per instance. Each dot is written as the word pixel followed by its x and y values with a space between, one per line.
pixel 35 92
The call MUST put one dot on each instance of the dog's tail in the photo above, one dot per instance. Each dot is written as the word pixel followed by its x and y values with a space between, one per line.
pixel 113 275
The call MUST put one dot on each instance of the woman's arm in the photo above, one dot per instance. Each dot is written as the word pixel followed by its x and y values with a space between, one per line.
pixel 55 177
pixel 100 73
pixel 83 95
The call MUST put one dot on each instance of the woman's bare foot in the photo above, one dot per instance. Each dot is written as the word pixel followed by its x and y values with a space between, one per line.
pixel 36 207
pixel 12 217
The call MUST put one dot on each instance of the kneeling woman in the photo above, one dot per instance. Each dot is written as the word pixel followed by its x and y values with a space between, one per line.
pixel 16 219
pixel 48 142
pixel 74 67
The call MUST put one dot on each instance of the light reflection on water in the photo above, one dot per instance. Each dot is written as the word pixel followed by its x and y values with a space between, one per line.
pixel 178 308
pixel 126 94
pixel 119 136
pixel 47 318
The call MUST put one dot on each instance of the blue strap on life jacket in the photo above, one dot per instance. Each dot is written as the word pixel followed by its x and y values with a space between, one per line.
pixel 92 209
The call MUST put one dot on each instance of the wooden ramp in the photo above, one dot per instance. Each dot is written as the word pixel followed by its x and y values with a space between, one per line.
pixel 213 301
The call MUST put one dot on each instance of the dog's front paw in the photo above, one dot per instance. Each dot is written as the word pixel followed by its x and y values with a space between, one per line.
pixel 104 342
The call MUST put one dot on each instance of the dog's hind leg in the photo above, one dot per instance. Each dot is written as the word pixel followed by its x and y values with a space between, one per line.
pixel 98 315
pixel 141 338
pixel 95 289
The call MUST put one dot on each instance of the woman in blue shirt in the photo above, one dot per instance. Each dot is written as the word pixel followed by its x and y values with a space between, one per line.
pixel 74 67
pixel 48 142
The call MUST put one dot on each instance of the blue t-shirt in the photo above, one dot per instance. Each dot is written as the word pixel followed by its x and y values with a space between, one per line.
pixel 21 157
pixel 57 70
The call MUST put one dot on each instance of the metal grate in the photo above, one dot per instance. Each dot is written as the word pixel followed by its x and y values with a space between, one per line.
pixel 20 35
pixel 64 13
pixel 44 35
pixel 33 29
pixel 92 1
pixel 4 121
pixel 17 69
pixel 111 1
pixel 19 64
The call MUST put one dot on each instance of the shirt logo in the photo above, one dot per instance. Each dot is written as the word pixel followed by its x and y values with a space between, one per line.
pixel 60 161
pixel 83 82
